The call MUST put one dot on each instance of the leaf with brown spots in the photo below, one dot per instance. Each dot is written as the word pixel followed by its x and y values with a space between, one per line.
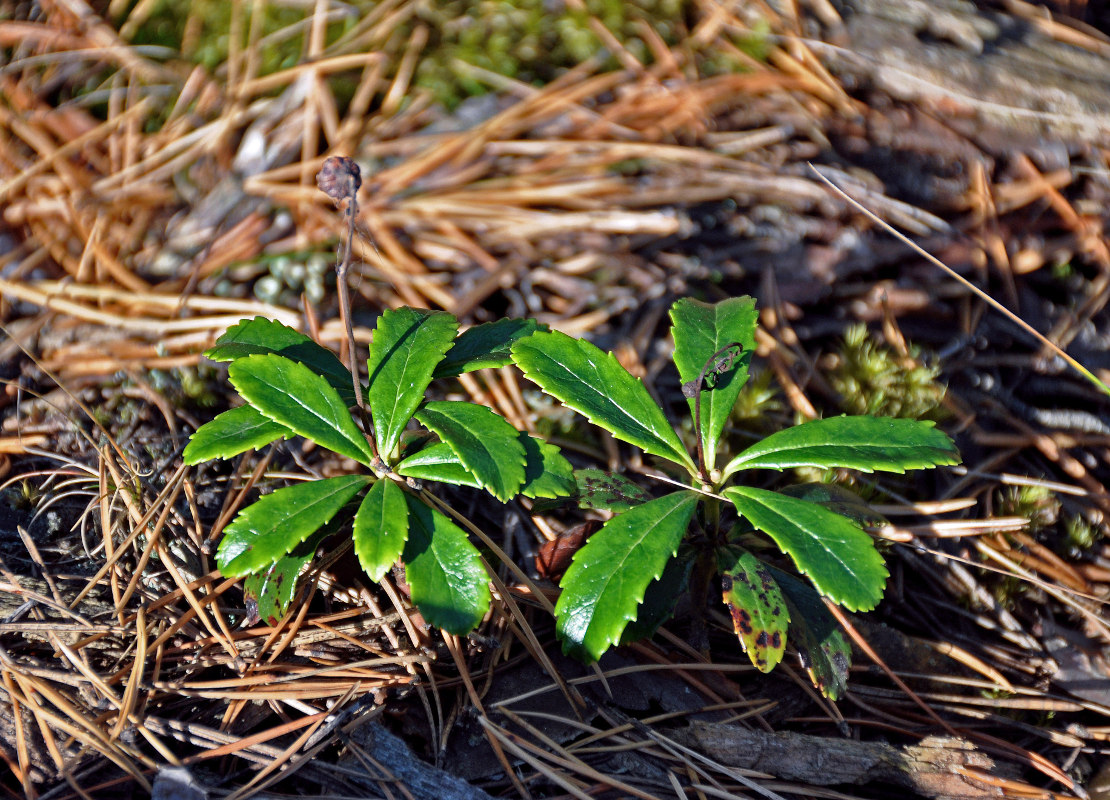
pixel 822 648
pixel 607 491
pixel 756 605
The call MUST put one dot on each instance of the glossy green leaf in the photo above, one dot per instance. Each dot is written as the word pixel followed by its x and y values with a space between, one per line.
pixel 595 385
pixel 814 632
pixel 485 443
pixel 756 605
pixel 483 346
pixel 259 336
pixel 607 580
pixel 701 330
pixel 836 498
pixel 833 551
pixel 231 433
pixel 270 591
pixel 863 443
pixel 607 491
pixel 547 473
pixel 444 571
pixel 271 528
pixel 381 528
pixel 437 462
pixel 408 344
pixel 660 599
pixel 294 396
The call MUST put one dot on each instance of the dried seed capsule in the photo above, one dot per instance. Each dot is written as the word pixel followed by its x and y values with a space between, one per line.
pixel 339 178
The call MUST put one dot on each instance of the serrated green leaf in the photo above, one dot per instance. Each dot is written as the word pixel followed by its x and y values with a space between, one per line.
pixel 267 530
pixel 437 462
pixel 547 473
pixel 381 528
pixel 833 551
pixel 444 571
pixel 270 592
pixel 595 385
pixel 259 336
pixel 608 577
pixel 863 443
pixel 836 498
pixel 408 344
pixel 231 433
pixel 814 632
pixel 483 346
pixel 292 395
pixel 756 605
pixel 700 330
pixel 485 443
pixel 608 491
pixel 660 599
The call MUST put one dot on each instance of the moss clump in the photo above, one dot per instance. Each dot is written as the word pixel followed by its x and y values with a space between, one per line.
pixel 1036 503
pixel 200 32
pixel 873 379
pixel 531 40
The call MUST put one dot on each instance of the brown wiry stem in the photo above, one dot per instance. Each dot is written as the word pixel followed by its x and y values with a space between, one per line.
pixel 339 178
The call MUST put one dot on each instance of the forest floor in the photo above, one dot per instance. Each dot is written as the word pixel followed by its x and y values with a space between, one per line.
pixel 157 185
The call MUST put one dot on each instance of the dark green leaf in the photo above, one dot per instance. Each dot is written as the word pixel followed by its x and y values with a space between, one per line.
pixel 660 599
pixel 231 433
pixel 833 551
pixel 606 583
pixel 701 330
pixel 607 491
pixel 437 462
pixel 863 443
pixel 292 395
pixel 483 346
pixel 836 498
pixel 595 385
pixel 267 530
pixel 547 473
pixel 756 605
pixel 259 336
pixel 485 443
pixel 270 591
pixel 814 633
pixel 381 528
pixel 444 571
pixel 408 344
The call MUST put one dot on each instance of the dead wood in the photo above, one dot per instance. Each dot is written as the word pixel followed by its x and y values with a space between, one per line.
pixel 938 767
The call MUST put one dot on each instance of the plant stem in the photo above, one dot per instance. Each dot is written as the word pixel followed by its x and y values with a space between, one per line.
pixel 345 315
pixel 704 569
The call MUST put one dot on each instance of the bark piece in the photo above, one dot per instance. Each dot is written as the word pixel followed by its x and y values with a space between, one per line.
pixel 933 768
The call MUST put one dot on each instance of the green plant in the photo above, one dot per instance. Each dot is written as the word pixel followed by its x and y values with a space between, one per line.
pixel 294 386
pixel 627 578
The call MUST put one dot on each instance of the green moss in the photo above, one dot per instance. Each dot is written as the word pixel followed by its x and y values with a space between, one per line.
pixel 528 40
pixel 1036 503
pixel 758 398
pixel 873 379
pixel 166 27
pixel 1080 536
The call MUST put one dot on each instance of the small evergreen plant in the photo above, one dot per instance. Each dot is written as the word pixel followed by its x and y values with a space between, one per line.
pixel 627 578
pixel 294 386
